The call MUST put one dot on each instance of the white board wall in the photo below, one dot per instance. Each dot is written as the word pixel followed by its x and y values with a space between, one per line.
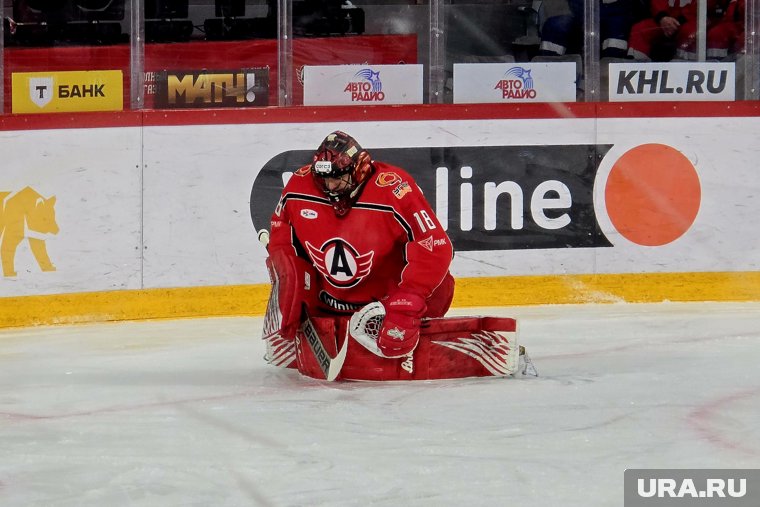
pixel 168 206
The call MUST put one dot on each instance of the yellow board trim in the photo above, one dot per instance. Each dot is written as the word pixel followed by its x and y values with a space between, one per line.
pixel 239 300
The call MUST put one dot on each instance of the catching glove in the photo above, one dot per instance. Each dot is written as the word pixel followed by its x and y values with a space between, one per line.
pixel 400 332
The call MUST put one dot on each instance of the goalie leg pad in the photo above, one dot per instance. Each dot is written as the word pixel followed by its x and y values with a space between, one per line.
pixel 307 363
pixel 294 282
pixel 453 347
pixel 472 347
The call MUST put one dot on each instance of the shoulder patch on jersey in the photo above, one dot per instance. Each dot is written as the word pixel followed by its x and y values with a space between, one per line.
pixel 401 190
pixel 303 171
pixel 427 243
pixel 387 178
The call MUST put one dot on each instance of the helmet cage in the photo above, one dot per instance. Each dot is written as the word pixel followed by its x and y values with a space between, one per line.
pixel 334 167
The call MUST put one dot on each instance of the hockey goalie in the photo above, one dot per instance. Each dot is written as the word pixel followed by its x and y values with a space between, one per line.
pixel 359 266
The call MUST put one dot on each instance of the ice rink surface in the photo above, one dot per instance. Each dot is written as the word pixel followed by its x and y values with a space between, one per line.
pixel 186 413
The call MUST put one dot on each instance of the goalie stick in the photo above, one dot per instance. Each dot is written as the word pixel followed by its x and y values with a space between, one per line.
pixel 330 366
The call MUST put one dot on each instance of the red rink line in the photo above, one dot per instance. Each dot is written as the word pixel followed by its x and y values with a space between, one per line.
pixel 701 420
pixel 18 416
pixel 435 112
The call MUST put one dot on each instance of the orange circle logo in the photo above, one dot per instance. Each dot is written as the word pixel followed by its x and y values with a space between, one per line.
pixel 652 194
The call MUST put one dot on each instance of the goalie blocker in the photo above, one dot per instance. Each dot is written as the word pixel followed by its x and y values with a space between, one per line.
pixel 449 347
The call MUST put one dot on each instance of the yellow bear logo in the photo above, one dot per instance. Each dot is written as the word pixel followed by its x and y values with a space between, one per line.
pixel 26 214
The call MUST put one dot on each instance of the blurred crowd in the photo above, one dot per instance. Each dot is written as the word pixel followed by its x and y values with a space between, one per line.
pixel 645 30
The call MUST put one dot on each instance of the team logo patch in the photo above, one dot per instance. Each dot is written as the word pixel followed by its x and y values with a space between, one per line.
pixel 401 190
pixel 387 179
pixel 303 171
pixel 340 263
pixel 309 213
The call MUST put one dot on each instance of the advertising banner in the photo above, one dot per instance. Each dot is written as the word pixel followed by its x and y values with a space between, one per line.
pixel 70 216
pixel 514 82
pixel 212 88
pixel 248 54
pixel 362 84
pixel 567 206
pixel 668 81
pixel 67 92
pixel 517 197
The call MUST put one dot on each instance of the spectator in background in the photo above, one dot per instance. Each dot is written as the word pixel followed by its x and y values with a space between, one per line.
pixel 727 36
pixel 562 32
pixel 671 30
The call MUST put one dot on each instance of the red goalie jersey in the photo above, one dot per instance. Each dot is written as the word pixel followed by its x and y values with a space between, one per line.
pixel 390 240
pixel 349 231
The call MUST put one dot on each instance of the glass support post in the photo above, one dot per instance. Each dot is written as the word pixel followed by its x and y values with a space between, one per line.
pixel 137 55
pixel 591 43
pixel 437 52
pixel 702 30
pixel 284 53
pixel 750 64
pixel 2 59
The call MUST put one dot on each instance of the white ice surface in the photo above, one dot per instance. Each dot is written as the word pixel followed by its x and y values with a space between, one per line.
pixel 186 413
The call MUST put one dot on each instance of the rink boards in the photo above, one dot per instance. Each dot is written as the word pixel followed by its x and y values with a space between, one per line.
pixel 156 214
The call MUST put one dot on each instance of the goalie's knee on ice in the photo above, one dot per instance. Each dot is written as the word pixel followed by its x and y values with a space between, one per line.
pixel 440 300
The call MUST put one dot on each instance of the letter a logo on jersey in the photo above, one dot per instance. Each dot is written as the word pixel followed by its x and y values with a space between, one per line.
pixel 340 263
